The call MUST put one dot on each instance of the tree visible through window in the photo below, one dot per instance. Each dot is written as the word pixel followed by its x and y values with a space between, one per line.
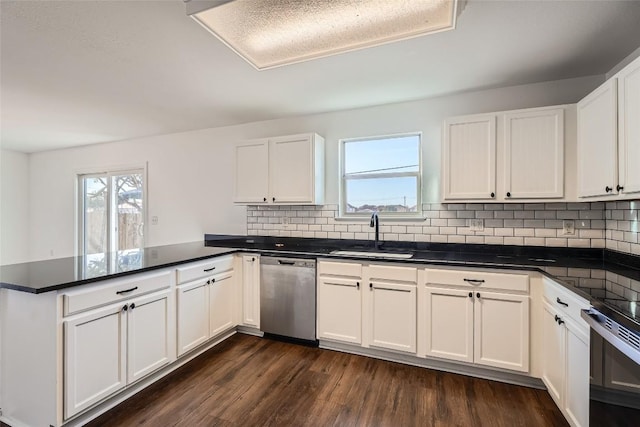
pixel 111 221
pixel 381 174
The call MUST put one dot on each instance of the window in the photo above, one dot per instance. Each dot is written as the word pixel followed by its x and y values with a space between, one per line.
pixel 381 174
pixel 111 221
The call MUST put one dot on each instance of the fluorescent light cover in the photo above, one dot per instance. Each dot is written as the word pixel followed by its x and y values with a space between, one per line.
pixel 271 33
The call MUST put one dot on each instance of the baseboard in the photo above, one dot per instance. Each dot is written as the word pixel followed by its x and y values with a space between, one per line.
pixel 250 330
pixel 437 364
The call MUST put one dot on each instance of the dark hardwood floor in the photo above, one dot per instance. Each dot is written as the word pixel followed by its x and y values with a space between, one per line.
pixel 250 381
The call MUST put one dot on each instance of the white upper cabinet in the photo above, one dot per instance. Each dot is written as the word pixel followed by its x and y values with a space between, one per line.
pixel 283 170
pixel 251 184
pixel 469 155
pixel 609 138
pixel 530 148
pixel 629 128
pixel 597 142
pixel 534 154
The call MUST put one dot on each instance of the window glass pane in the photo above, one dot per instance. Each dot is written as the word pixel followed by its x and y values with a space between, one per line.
pixel 381 194
pixel 397 154
pixel 95 223
pixel 129 211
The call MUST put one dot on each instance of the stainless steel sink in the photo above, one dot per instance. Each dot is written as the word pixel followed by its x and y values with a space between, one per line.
pixel 374 254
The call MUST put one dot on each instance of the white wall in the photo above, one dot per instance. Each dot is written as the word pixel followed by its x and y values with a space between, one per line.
pixel 14 207
pixel 189 174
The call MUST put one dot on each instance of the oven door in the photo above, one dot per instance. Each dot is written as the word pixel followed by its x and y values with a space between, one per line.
pixel 615 373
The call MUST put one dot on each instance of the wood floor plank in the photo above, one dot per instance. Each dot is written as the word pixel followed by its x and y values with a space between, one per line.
pixel 251 381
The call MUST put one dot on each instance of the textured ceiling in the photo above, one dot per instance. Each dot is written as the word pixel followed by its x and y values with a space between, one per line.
pixel 82 72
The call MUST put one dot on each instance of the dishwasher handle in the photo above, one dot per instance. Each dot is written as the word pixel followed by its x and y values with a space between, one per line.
pixel 281 262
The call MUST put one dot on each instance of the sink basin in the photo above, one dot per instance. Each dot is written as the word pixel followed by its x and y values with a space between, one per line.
pixel 374 254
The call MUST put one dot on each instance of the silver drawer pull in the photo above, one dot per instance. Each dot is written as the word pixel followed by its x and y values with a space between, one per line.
pixel 126 291
pixel 474 281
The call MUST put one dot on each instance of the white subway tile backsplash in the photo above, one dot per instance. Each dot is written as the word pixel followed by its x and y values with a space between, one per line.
pixel 556 242
pixel 519 241
pixel 545 232
pixel 528 224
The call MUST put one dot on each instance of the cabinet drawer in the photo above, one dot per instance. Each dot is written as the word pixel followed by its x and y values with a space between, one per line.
pixel 350 269
pixel 205 268
pixel 392 272
pixel 114 290
pixel 563 300
pixel 478 279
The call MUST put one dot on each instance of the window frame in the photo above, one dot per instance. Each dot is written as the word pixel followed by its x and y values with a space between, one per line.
pixel 109 173
pixel 342 206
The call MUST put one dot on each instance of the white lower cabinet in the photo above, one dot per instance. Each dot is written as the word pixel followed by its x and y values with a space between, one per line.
pixel 449 323
pixel 554 354
pixel 392 314
pixel 251 291
pixel 339 309
pixel 205 309
pixel 464 321
pixel 369 305
pixel 221 298
pixel 565 357
pixel 577 385
pixel 95 357
pixel 501 330
pixel 107 348
pixel 193 314
pixel 148 330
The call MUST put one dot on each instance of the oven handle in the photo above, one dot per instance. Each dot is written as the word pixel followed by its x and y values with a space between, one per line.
pixel 596 321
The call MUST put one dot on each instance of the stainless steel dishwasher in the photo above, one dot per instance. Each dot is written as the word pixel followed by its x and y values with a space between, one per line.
pixel 288 297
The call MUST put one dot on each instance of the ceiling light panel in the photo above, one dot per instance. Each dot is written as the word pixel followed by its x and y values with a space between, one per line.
pixel 270 33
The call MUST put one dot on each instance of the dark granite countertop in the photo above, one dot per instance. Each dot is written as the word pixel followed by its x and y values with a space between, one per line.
pixel 598 275
pixel 55 274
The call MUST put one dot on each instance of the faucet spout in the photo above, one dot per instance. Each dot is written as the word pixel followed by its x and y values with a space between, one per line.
pixel 375 222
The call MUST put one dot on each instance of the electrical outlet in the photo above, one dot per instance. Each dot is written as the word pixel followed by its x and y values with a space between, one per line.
pixel 476 224
pixel 154 220
pixel 568 227
pixel 286 220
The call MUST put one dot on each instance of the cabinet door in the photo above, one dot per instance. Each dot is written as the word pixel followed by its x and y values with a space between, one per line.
pixel 392 310
pixel 534 154
pixel 148 335
pixel 629 127
pixel 94 357
pixel 291 169
pixel 251 174
pixel 449 323
pixel 193 314
pixel 501 330
pixel 469 158
pixel 251 291
pixel 597 141
pixel 553 354
pixel 221 304
pixel 577 369
pixel 340 309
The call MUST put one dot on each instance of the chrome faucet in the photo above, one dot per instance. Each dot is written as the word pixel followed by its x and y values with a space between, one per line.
pixel 375 222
